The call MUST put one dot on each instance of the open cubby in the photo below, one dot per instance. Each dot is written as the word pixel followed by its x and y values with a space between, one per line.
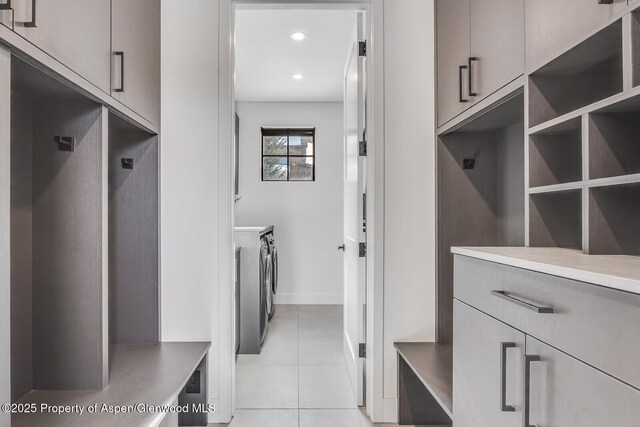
pixel 589 72
pixel 613 220
pixel 480 194
pixel 555 154
pixel 635 47
pixel 133 234
pixel 57 224
pixel 555 219
pixel 614 144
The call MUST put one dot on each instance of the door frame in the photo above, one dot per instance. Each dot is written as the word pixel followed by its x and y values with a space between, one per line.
pixel 375 195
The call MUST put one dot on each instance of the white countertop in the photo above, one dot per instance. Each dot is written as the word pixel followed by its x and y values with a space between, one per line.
pixel 619 272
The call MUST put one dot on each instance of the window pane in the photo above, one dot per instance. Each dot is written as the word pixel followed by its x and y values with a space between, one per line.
pixel 301 169
pixel 274 145
pixel 301 146
pixel 274 168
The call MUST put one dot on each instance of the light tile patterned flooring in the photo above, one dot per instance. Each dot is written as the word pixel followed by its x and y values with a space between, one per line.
pixel 300 378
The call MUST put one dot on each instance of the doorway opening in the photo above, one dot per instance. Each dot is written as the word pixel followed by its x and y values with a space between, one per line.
pixel 300 214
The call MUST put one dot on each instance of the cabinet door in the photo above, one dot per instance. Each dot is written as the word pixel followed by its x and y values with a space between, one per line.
pixel 566 392
pixel 452 23
pixel 75 32
pixel 136 70
pixel 552 26
pixel 497 44
pixel 487 370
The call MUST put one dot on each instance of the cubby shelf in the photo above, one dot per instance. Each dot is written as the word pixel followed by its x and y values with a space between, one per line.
pixel 584 144
pixel 587 73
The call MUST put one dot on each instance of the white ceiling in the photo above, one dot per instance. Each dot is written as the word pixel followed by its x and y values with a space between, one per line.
pixel 266 57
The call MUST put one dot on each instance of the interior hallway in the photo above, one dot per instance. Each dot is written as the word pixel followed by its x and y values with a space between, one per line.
pixel 300 378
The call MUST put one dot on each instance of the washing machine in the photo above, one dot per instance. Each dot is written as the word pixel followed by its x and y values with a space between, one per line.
pixel 272 288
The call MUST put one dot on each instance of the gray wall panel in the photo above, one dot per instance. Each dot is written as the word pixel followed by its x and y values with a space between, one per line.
pixel 5 226
pixel 133 236
pixel 21 245
pixel 67 249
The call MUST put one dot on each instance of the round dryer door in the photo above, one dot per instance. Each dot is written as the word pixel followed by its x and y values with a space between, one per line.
pixel 274 261
pixel 268 277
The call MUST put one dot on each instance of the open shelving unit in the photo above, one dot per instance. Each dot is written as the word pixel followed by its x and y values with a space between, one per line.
pixel 483 162
pixel 583 144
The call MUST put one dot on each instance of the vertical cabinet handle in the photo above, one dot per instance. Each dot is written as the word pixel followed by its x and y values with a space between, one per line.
pixel 503 377
pixel 32 23
pixel 460 72
pixel 471 61
pixel 5 6
pixel 121 55
pixel 528 360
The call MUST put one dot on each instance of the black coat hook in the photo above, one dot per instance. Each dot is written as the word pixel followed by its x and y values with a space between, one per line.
pixel 127 163
pixel 65 143
pixel 468 164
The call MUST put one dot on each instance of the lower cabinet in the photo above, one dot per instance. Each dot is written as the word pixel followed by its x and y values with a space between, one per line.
pixel 487 370
pixel 565 392
pixel 506 373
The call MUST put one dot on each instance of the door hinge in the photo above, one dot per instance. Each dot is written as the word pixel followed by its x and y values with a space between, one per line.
pixel 362 350
pixel 362 48
pixel 363 148
pixel 364 213
pixel 363 250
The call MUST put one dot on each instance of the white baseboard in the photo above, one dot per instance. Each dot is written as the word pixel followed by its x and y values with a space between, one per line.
pixel 389 410
pixel 308 299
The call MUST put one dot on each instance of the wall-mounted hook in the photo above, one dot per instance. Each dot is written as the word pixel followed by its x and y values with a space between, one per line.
pixel 127 163
pixel 65 143
pixel 468 164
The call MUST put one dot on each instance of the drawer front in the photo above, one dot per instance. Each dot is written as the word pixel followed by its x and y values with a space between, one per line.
pixel 565 392
pixel 596 325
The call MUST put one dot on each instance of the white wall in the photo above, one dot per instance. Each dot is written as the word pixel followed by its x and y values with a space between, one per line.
pixel 189 198
pixel 308 216
pixel 409 248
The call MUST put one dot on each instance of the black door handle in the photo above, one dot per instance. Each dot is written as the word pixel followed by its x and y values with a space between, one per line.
pixel 32 23
pixel 527 387
pixel 460 71
pixel 471 61
pixel 5 6
pixel 538 309
pixel 503 377
pixel 342 248
pixel 121 55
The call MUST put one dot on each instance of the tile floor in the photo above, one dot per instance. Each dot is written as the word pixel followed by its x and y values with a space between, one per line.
pixel 300 378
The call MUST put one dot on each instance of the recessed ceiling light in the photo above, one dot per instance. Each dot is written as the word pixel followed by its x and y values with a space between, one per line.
pixel 298 76
pixel 298 36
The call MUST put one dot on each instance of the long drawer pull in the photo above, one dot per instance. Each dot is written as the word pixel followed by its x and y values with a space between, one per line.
pixel 527 387
pixel 538 309
pixel 503 377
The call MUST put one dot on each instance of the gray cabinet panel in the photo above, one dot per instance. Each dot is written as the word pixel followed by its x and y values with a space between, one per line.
pixel 452 52
pixel 497 41
pixel 75 32
pixel 477 370
pixel 5 230
pixel 589 322
pixel 552 26
pixel 136 33
pixel 566 392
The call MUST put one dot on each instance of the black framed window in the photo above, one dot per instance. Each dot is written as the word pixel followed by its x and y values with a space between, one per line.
pixel 288 154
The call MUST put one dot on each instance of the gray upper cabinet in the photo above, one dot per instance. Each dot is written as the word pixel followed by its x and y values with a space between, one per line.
pixel 453 53
pixel 552 25
pixel 480 48
pixel 136 56
pixel 74 32
pixel 497 44
pixel 487 370
pixel 567 392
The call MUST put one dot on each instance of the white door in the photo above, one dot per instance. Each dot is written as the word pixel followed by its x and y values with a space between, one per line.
pixel 354 223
